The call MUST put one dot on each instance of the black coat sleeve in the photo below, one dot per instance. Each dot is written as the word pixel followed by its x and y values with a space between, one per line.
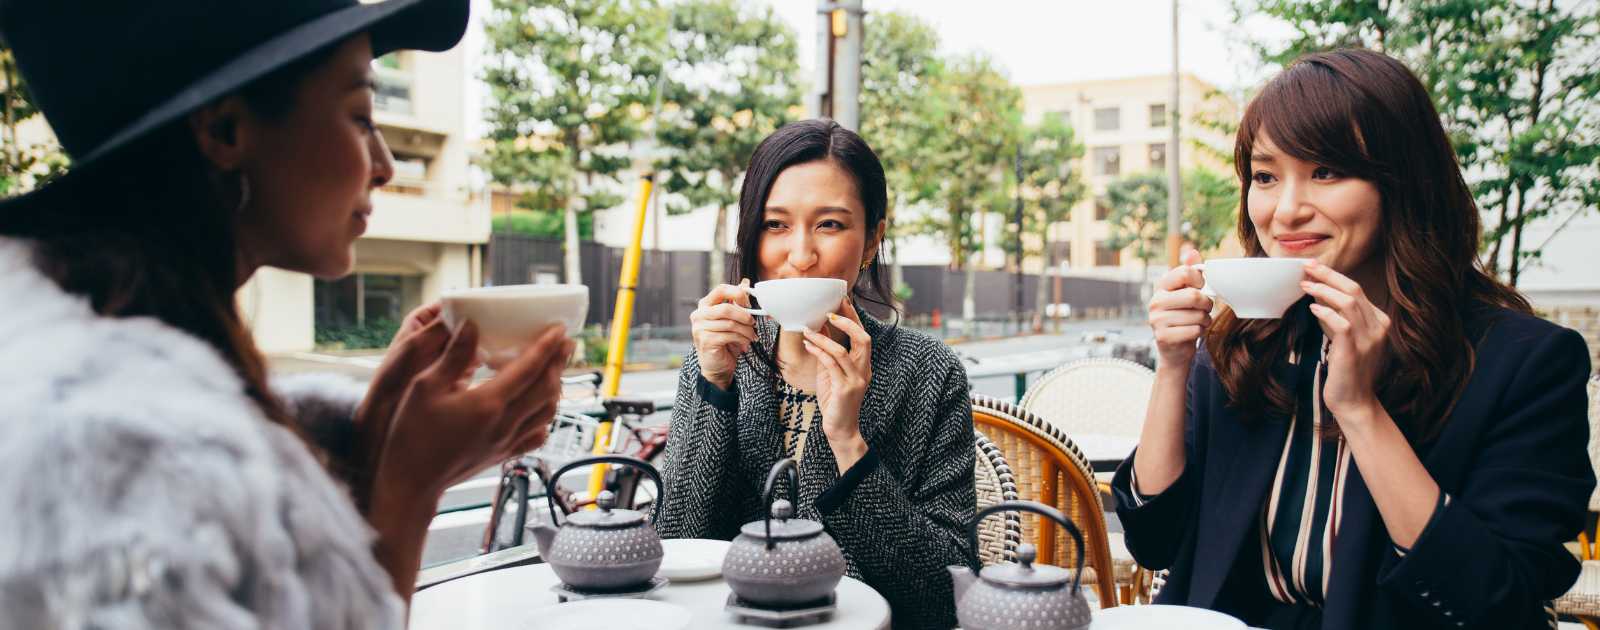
pixel 1154 526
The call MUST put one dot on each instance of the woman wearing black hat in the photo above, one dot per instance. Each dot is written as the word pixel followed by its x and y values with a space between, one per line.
pixel 149 476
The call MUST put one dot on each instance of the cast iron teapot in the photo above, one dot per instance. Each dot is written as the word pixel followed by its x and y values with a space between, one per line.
pixel 1022 595
pixel 608 549
pixel 782 561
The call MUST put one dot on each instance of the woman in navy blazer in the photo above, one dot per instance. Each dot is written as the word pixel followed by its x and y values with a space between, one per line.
pixel 1405 447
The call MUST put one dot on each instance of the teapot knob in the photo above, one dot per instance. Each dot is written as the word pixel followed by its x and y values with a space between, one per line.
pixel 782 510
pixel 606 500
pixel 1026 554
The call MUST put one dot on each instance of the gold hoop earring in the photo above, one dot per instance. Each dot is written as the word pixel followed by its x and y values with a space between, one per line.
pixel 866 264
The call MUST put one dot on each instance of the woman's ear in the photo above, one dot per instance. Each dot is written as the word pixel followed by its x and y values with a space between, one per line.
pixel 222 132
pixel 875 242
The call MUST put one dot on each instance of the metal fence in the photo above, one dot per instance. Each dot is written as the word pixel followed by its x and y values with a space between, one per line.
pixel 672 282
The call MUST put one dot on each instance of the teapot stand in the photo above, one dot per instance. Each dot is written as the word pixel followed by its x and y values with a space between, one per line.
pixel 569 594
pixel 790 617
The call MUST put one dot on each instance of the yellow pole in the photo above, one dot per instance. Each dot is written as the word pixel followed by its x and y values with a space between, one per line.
pixel 621 321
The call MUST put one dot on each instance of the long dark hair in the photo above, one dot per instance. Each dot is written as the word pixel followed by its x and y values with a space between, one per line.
pixel 801 143
pixel 1366 115
pixel 151 231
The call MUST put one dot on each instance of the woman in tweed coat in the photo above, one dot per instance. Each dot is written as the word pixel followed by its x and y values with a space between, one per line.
pixel 892 476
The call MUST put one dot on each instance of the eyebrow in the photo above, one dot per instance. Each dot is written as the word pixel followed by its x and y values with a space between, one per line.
pixel 822 210
pixel 365 82
pixel 1263 157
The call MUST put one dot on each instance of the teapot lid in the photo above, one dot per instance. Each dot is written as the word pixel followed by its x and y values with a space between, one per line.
pixel 606 517
pixel 784 526
pixel 1024 573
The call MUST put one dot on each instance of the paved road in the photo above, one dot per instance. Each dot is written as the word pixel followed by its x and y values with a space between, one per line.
pixel 456 535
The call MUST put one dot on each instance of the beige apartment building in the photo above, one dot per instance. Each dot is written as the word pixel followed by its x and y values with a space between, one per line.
pixel 1123 125
pixel 429 226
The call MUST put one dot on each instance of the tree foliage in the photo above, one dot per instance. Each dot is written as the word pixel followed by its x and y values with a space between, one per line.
pixel 1515 82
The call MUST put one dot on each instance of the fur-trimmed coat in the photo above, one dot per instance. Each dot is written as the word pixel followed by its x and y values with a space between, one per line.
pixel 141 488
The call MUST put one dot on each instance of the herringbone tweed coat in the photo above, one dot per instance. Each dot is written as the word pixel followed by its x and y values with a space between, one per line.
pixel 900 514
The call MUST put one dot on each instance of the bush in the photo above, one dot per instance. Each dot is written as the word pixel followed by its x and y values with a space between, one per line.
pixel 374 334
pixel 541 223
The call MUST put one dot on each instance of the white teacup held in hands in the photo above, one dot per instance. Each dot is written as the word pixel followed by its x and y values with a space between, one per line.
pixel 799 303
pixel 511 317
pixel 1255 288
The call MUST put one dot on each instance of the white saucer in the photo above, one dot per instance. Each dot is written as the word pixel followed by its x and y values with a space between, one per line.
pixel 609 614
pixel 692 559
pixel 1155 617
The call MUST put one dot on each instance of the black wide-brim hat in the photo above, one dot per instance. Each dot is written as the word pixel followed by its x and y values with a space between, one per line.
pixel 107 72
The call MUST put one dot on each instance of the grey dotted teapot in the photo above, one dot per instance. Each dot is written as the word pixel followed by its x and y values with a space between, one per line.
pixel 608 549
pixel 782 561
pixel 1022 595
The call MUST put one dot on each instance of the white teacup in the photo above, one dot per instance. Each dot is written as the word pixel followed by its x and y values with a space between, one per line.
pixel 799 303
pixel 1255 288
pixel 511 317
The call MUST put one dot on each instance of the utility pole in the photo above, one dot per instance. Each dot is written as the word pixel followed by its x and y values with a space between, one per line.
pixel 1017 283
pixel 1174 177
pixel 839 40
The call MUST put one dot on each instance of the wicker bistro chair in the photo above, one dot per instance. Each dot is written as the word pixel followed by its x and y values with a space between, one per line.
pixel 998 536
pixel 1583 601
pixel 1050 469
pixel 1098 395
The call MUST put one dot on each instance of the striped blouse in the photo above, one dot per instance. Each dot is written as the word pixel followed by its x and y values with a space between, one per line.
pixel 1299 521
pixel 798 411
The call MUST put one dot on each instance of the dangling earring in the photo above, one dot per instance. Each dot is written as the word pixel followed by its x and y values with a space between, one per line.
pixel 244 193
pixel 865 264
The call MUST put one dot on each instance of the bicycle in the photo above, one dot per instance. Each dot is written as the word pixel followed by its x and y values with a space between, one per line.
pixel 572 436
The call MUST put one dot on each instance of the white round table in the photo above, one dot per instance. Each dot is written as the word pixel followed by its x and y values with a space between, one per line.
pixel 504 599
pixel 1105 451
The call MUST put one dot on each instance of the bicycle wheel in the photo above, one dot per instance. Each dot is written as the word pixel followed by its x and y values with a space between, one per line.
pixel 506 523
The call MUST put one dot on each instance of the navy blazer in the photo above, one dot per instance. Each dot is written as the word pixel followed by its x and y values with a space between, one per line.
pixel 1513 458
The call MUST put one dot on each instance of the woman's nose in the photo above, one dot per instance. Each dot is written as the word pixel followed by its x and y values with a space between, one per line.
pixel 382 161
pixel 802 252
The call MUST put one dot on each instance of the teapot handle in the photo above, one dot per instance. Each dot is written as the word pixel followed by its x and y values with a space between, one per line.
pixel 1042 510
pixel 550 494
pixel 784 465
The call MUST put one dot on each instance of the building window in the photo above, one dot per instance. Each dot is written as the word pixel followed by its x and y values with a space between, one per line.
pixel 1108 160
pixel 1158 155
pixel 410 174
pixel 1101 210
pixel 363 301
pixel 1060 252
pixel 392 75
pixel 1158 115
pixel 1106 256
pixel 1107 119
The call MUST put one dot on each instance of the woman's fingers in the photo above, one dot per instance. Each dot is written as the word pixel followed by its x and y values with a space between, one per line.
pixel 830 363
pixel 1188 298
pixel 1347 305
pixel 1178 334
pixel 726 293
pixel 1185 317
pixel 1332 322
pixel 457 357
pixel 726 340
pixel 523 371
pixel 860 341
pixel 728 326
pixel 729 312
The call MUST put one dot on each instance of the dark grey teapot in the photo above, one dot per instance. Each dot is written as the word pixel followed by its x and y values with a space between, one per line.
pixel 602 550
pixel 1023 595
pixel 782 561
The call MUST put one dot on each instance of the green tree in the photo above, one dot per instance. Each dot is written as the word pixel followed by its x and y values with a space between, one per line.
pixel 23 165
pixel 1051 186
pixel 568 83
pixel 730 86
pixel 978 116
pixel 1138 215
pixel 1210 207
pixel 899 111
pixel 1514 81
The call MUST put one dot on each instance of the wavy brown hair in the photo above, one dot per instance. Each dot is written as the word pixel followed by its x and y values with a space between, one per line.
pixel 1366 115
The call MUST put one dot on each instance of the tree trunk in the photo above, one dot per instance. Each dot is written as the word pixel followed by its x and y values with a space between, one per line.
pixel 1516 235
pixel 1039 293
pixel 969 304
pixel 574 266
pixel 719 236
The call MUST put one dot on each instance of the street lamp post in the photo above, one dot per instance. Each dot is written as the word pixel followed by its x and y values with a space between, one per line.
pixel 1016 313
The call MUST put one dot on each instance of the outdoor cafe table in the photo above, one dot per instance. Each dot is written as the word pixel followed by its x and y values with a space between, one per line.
pixel 505 600
pixel 1105 451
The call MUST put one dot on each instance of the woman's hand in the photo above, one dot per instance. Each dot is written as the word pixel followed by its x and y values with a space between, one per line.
pixel 443 430
pixel 416 320
pixel 1180 313
pixel 842 379
pixel 722 330
pixel 1358 334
